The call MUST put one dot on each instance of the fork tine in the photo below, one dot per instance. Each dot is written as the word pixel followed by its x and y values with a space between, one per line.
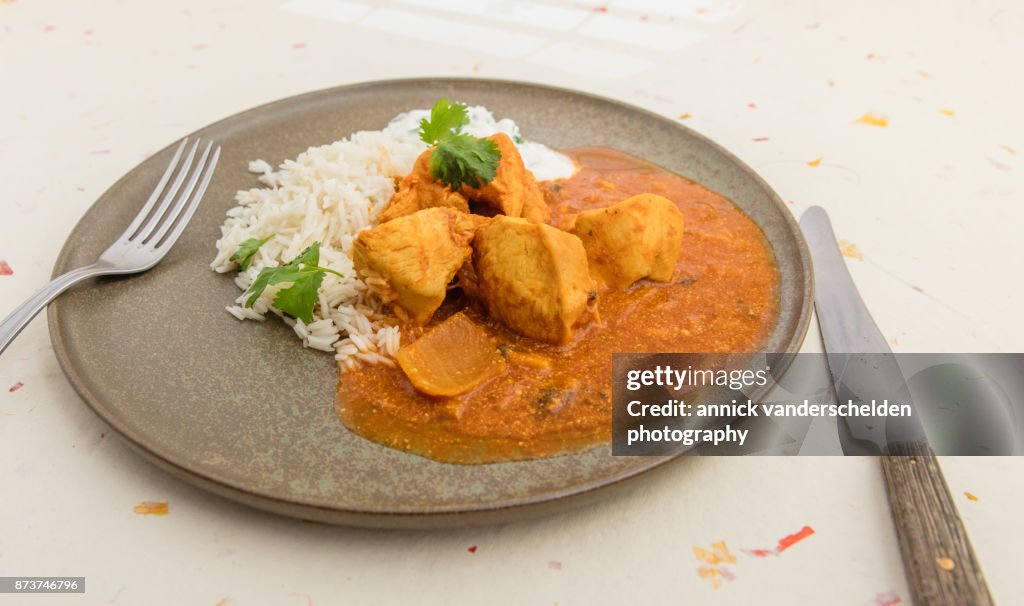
pixel 139 218
pixel 186 216
pixel 172 214
pixel 168 197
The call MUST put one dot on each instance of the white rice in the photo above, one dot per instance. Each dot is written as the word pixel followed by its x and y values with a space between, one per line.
pixel 328 195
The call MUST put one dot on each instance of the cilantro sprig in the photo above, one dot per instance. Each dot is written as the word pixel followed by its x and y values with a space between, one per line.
pixel 305 275
pixel 247 250
pixel 458 158
pixel 445 118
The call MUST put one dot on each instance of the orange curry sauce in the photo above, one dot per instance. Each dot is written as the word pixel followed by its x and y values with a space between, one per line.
pixel 557 398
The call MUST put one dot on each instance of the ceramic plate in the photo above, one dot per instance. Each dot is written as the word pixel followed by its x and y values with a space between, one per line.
pixel 244 411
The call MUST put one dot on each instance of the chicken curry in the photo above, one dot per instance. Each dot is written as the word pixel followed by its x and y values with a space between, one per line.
pixel 512 296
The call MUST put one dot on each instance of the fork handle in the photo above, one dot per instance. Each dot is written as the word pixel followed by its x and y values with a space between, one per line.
pixel 23 314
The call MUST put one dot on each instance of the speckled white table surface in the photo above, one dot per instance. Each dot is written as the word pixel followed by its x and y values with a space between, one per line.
pixel 927 192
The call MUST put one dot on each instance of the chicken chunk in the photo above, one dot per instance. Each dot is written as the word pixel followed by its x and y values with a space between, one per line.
pixel 640 237
pixel 532 277
pixel 535 206
pixel 417 192
pixel 410 260
pixel 513 191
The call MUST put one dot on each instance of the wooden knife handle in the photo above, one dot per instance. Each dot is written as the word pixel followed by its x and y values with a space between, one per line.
pixel 939 560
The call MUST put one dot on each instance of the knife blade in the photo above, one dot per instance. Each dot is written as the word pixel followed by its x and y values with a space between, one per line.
pixel 862 365
pixel 939 560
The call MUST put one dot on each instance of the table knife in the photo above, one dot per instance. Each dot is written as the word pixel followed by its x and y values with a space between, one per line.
pixel 940 563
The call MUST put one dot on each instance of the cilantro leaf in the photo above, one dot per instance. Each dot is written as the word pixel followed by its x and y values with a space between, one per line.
pixel 446 118
pixel 464 159
pixel 305 275
pixel 457 157
pixel 247 250
pixel 310 256
pixel 259 285
pixel 299 299
pixel 269 276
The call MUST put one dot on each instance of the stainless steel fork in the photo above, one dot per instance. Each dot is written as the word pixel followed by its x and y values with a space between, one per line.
pixel 146 241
